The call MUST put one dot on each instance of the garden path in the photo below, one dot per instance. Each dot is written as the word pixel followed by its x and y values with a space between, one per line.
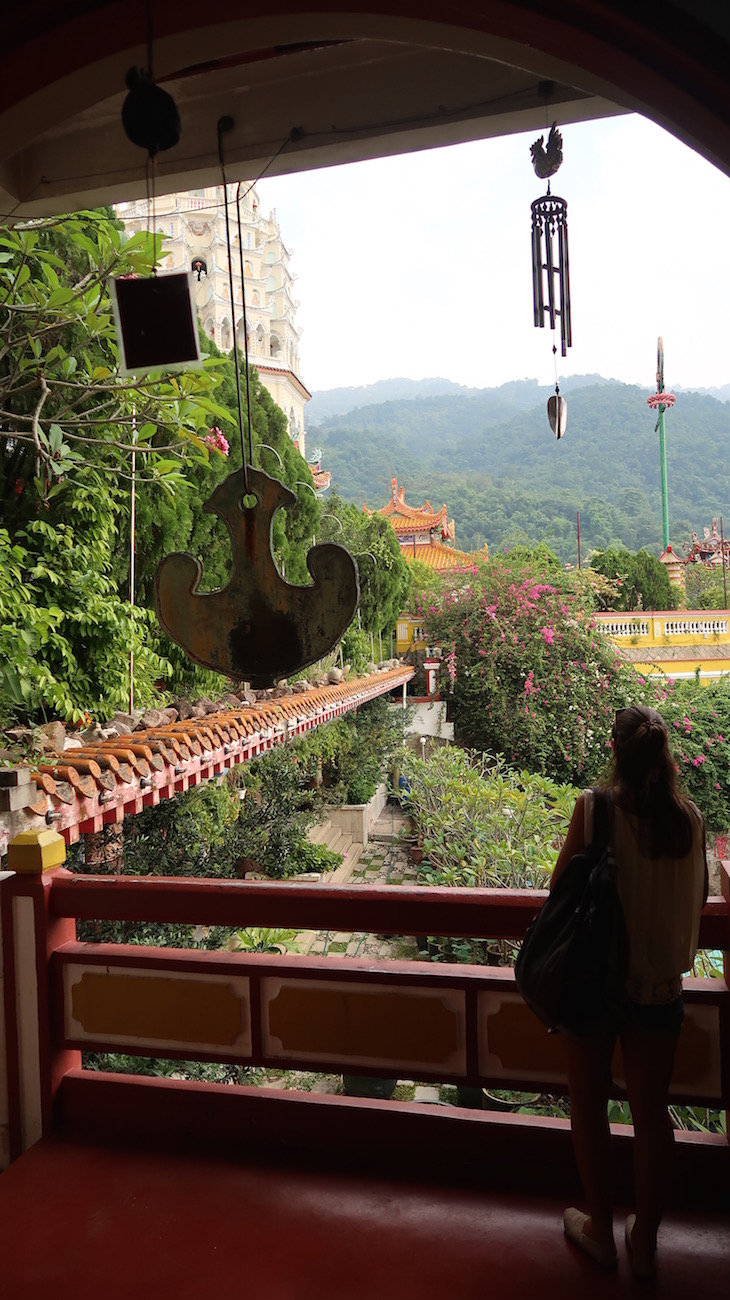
pixel 384 860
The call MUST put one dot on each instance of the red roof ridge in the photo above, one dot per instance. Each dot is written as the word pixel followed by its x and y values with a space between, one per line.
pixel 116 777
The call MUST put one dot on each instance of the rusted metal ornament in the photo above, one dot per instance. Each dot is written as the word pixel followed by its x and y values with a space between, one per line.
pixel 259 628
pixel 557 409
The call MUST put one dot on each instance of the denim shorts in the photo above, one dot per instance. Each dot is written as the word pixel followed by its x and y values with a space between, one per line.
pixel 641 1017
pixel 664 1018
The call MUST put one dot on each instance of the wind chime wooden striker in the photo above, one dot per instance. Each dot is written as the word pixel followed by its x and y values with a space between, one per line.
pixel 550 268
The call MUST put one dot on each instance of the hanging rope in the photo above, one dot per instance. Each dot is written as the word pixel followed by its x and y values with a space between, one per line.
pixel 226 124
pixel 245 321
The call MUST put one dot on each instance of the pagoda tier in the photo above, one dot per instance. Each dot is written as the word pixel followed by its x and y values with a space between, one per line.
pixel 422 532
pixel 408 520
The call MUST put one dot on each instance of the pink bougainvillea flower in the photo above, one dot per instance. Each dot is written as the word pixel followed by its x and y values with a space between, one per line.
pixel 547 634
pixel 217 441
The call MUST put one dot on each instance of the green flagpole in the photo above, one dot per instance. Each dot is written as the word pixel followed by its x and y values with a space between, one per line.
pixel 663 459
pixel 659 402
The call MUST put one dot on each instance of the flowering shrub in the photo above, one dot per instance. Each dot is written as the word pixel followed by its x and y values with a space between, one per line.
pixel 484 825
pixel 532 677
pixel 698 718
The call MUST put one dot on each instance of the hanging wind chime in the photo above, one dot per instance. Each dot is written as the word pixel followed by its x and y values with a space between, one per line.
pixel 259 628
pixel 550 271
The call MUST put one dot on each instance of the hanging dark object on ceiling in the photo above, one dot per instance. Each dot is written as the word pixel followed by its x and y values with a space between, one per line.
pixel 155 318
pixel 259 627
pixel 149 115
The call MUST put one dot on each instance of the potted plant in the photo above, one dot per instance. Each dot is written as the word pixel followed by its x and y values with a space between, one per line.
pixel 361 1085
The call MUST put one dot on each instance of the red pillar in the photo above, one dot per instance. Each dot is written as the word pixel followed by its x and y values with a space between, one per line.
pixel 30 1068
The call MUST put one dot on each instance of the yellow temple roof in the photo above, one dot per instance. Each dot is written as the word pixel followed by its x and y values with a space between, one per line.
pixel 407 519
pixel 410 521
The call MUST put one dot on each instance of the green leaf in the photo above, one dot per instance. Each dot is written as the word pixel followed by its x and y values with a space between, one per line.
pixel 60 297
pixel 55 437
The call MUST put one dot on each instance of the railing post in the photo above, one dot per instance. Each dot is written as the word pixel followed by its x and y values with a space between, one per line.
pixel 725 1021
pixel 30 1070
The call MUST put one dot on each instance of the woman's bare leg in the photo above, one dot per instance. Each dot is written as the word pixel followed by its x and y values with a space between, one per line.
pixel 588 1066
pixel 648 1062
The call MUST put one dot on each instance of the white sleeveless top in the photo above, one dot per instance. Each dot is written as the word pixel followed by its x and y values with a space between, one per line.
pixel 662 900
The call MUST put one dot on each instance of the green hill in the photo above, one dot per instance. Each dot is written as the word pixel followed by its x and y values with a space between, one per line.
pixel 491 456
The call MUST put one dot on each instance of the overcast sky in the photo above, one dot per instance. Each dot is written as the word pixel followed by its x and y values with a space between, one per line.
pixel 420 265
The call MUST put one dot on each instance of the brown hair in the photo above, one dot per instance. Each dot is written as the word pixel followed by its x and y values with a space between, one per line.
pixel 644 770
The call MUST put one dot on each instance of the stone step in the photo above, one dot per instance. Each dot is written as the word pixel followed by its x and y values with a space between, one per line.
pixel 343 873
pixel 335 839
pixel 318 834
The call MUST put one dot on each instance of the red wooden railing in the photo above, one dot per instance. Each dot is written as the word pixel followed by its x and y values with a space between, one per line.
pixel 428 1021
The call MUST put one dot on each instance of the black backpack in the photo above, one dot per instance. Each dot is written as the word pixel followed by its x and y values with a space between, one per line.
pixel 573 962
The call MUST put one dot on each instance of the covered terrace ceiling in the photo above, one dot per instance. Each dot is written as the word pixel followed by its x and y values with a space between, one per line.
pixel 344 82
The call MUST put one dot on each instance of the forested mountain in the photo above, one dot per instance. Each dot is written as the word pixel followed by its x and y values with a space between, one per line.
pixel 490 455
pixel 337 401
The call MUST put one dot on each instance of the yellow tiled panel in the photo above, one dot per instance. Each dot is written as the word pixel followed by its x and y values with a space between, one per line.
pixel 364 1023
pixel 175 1008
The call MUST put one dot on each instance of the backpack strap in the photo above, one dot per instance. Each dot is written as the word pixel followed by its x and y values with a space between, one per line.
pixel 602 816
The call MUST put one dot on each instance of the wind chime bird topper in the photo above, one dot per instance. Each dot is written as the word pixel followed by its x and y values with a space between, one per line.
pixel 550 268
pixel 547 161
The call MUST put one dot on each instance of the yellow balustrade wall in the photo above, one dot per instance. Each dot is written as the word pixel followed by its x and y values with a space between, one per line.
pixel 675 642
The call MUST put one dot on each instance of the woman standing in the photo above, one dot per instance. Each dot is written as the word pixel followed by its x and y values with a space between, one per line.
pixel 658 838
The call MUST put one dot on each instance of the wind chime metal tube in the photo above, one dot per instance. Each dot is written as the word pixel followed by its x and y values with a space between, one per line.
pixel 537 297
pixel 550 260
pixel 564 274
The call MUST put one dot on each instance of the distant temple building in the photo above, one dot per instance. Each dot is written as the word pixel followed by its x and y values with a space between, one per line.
pixel 426 536
pixel 194 227
pixel 710 550
pixel 322 477
pixel 681 644
pixel 423 535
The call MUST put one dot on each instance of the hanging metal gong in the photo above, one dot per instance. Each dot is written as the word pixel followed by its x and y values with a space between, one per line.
pixel 259 627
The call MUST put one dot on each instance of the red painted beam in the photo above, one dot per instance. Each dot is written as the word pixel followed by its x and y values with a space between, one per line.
pixel 443 1143
pixel 376 909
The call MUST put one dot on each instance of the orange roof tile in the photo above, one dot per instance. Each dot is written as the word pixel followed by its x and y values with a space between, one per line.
pixel 118 776
pixel 437 556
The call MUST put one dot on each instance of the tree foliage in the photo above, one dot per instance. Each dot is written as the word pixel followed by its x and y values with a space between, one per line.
pixel 639 581
pixel 384 572
pixel 74 433
pixel 705 586
pixel 698 718
pixel 64 407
